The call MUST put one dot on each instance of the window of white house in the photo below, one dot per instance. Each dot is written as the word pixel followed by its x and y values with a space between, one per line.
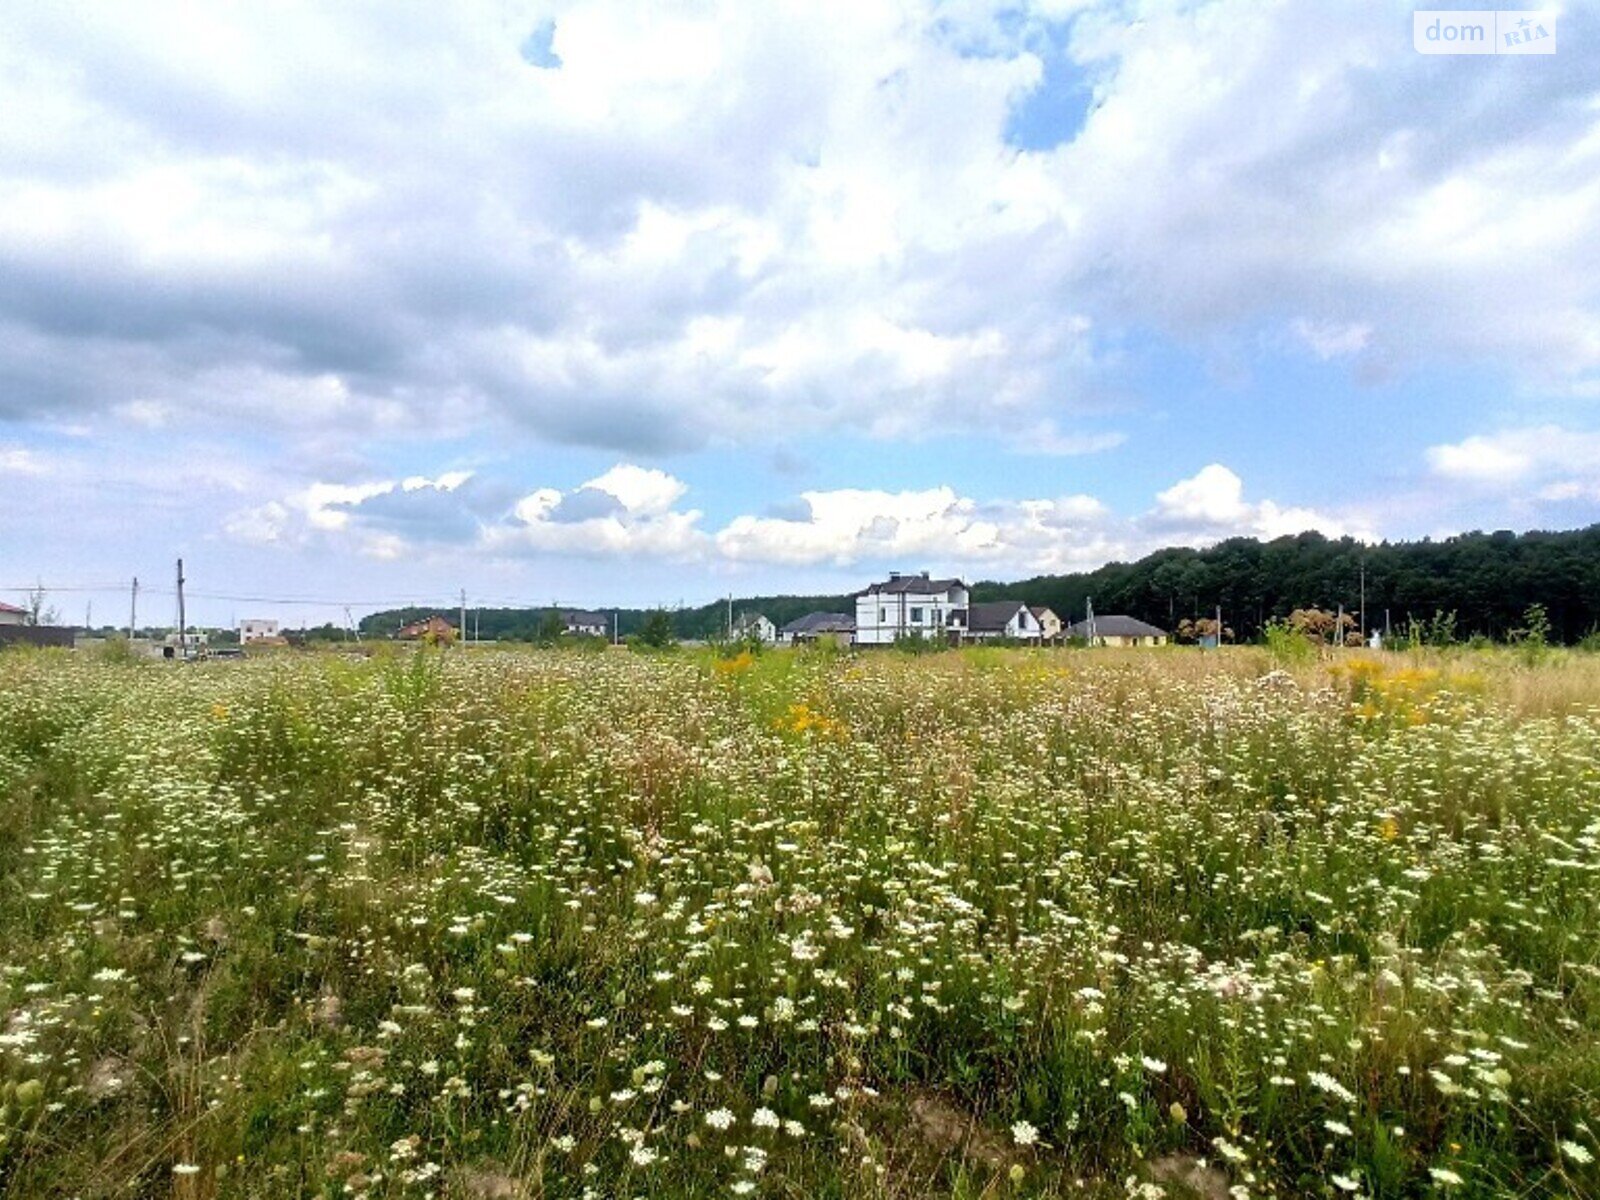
pixel 916 616
pixel 883 615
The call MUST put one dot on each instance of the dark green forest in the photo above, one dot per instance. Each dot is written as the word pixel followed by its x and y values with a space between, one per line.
pixel 1487 580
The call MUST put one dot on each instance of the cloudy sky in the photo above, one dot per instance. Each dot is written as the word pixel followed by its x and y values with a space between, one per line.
pixel 629 303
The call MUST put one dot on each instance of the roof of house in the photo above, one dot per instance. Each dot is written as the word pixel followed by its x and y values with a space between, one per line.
pixel 1116 626
pixel 992 616
pixel 1041 612
pixel 749 620
pixel 912 585
pixel 821 622
pixel 583 616
pixel 428 623
pixel 12 608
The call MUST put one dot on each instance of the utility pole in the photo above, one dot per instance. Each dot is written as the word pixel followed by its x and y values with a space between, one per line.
pixel 1363 603
pixel 1219 627
pixel 463 616
pixel 183 621
pixel 616 626
pixel 88 616
pixel 133 609
pixel 351 622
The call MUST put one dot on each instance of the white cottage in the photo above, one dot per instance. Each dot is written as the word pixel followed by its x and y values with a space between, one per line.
pixel 755 625
pixel 907 606
pixel 995 620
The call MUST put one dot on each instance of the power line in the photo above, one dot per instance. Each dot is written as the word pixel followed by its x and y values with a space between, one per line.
pixel 441 600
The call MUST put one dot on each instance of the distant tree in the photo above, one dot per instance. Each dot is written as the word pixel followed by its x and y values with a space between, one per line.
pixel 1532 637
pixel 40 613
pixel 551 627
pixel 1202 627
pixel 1322 627
pixel 657 632
pixel 440 637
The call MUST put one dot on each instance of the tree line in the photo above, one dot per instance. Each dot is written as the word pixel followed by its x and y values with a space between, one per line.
pixel 1484 582
pixel 1488 581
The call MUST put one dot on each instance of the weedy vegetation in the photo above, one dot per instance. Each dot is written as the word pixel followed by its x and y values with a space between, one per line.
pixel 1004 923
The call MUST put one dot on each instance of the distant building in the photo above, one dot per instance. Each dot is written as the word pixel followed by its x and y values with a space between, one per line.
pixel 907 606
pixel 435 628
pixel 580 622
pixel 996 620
pixel 838 628
pixel 257 629
pixel 175 644
pixel 1118 631
pixel 755 625
pixel 10 614
pixel 1049 623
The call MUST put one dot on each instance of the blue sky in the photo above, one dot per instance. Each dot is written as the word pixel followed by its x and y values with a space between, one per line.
pixel 617 304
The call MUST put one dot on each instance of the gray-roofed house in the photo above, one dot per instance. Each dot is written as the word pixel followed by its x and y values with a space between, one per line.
pixel 838 628
pixel 580 622
pixel 1118 631
pixel 996 620
pixel 907 606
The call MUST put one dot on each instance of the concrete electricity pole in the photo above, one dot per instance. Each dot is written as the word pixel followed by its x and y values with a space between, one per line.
pixel 183 622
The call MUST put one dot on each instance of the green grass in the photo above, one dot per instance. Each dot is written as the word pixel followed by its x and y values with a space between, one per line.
pixel 543 923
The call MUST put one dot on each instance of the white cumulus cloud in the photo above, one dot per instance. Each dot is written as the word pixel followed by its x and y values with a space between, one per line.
pixel 1544 463
pixel 631 512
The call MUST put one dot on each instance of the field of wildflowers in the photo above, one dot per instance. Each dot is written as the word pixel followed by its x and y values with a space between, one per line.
pixel 526 924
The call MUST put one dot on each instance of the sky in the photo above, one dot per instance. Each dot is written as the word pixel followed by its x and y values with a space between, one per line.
pixel 611 303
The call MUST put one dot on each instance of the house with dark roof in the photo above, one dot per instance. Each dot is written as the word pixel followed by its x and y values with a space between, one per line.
pixel 580 622
pixel 838 628
pixel 907 606
pixel 996 620
pixel 1118 631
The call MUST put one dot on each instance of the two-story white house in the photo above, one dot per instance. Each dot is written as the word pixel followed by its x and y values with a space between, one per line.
pixel 907 606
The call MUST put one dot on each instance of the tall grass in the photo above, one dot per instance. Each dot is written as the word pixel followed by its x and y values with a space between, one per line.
pixel 1005 922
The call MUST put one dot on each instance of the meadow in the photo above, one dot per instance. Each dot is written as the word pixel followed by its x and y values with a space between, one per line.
pixel 510 924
